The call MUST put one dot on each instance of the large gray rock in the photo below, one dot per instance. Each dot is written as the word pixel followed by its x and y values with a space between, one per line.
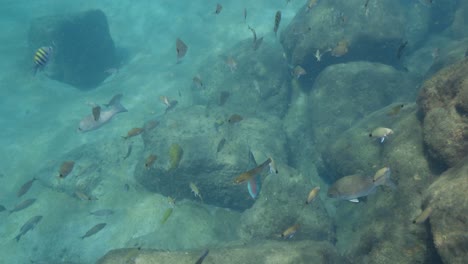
pixel 83 47
pixel 345 93
pixel 271 252
pixel 196 131
pixel 383 224
pixel 449 219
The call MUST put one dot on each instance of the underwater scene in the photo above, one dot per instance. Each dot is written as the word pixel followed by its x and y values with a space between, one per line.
pixel 244 132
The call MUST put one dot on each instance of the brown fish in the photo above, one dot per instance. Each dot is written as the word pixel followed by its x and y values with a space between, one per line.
pixel 395 110
pixel 290 231
pixel 277 21
pixel 312 195
pixel 94 230
pixel 218 9
pixel 134 132
pixel 96 112
pixel 340 49
pixel 181 49
pixel 151 124
pixel 246 176
pixel 23 205
pixel 66 168
pixel 223 97
pixel 235 118
pixel 150 161
pixel 25 187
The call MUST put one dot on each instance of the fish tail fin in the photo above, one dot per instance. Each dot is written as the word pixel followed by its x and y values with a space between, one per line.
pixel 118 107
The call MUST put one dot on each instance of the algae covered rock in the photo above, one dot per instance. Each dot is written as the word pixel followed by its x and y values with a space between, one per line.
pixel 83 47
pixel 192 146
pixel 444 106
pixel 449 218
pixel 345 93
pixel 262 251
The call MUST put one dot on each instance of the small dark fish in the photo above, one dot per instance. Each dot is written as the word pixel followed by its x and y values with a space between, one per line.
pixel 66 168
pixel 277 21
pixel 150 161
pixel 25 187
pixel 366 4
pixel 202 257
pixel 220 145
pixel 254 34
pixel 181 49
pixel 401 48
pixel 395 110
pixel 129 151
pixel 126 187
pixel 96 112
pixel 114 100
pixel 94 230
pixel 223 97
pixel 23 205
pixel 245 14
pixel 2 208
pixel 29 225
pixel 102 212
pixel 218 9
pixel 42 57
pixel 235 118
pixel 258 43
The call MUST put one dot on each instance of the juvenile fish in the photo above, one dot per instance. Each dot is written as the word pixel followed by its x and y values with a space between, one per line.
pixel 181 49
pixel 96 112
pixel 277 22
pixel 150 161
pixel 290 232
pixel 66 168
pixel 134 132
pixel 246 176
pixel 312 195
pixel 29 225
pixel 23 205
pixel 94 230
pixel 25 187
pixel 195 191
pixel 102 212
pixel 202 257
pixel 88 123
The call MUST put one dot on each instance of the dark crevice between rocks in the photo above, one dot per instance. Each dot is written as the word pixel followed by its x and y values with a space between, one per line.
pixel 435 165
pixel 432 256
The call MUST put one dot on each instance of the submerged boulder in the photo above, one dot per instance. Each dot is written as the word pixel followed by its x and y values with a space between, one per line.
pixel 83 47
pixel 443 101
pixel 199 145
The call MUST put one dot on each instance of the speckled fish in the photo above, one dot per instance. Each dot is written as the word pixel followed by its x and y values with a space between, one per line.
pixel 66 168
pixel 246 176
pixel 29 225
pixel 181 49
pixel 195 191
pixel 312 195
pixel 235 118
pixel 150 161
pixel 134 132
pixel 277 22
pixel 23 205
pixel 218 9
pixel 94 230
pixel 298 71
pixel 202 257
pixel 88 123
pixel 25 187
pixel 42 57
pixel 381 133
pixel 102 212
pixel 355 186
pixel 290 231
pixel 96 112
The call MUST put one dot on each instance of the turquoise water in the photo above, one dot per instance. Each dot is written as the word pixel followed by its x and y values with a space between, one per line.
pixel 283 117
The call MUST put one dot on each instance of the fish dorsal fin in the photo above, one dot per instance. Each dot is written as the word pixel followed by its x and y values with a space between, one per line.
pixel 355 200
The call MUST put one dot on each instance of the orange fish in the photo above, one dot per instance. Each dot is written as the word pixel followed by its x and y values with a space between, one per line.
pixel 312 195
pixel 290 232
pixel 134 132
pixel 246 176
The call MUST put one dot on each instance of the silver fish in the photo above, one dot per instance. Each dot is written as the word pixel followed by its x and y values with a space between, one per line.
pixel 29 225
pixel 354 186
pixel 88 123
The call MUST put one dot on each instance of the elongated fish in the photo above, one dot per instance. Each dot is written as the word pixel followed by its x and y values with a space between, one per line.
pixel 25 187
pixel 202 257
pixel 23 205
pixel 29 225
pixel 277 22
pixel 354 186
pixel 88 123
pixel 94 230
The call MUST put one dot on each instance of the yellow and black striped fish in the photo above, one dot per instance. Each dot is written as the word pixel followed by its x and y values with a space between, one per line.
pixel 41 57
pixel 277 21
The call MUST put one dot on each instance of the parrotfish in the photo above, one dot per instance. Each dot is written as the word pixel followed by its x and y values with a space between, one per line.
pixel 355 186
pixel 88 123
